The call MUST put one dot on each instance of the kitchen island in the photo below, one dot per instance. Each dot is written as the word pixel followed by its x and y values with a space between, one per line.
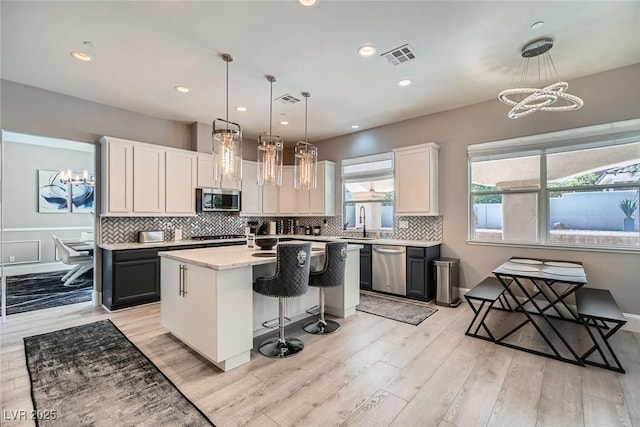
pixel 208 300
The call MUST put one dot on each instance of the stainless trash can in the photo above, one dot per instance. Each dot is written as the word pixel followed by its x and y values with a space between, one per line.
pixel 448 288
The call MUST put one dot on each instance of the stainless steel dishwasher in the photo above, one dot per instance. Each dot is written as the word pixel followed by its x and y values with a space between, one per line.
pixel 389 268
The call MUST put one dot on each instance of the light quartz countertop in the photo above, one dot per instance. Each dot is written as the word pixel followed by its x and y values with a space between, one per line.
pixel 166 243
pixel 359 240
pixel 229 257
pixel 362 241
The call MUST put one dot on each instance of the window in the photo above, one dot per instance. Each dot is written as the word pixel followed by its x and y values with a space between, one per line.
pixel 581 192
pixel 368 188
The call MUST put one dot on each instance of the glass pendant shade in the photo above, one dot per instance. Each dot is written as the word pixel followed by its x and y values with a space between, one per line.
pixel 227 144
pixel 270 150
pixel 305 170
pixel 227 153
pixel 305 167
pixel 270 156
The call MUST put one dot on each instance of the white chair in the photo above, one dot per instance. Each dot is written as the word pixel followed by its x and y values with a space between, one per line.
pixel 81 263
pixel 86 236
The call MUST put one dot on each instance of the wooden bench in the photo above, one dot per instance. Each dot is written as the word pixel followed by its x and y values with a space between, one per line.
pixel 487 292
pixel 595 305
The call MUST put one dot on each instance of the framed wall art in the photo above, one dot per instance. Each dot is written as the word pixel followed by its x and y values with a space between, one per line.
pixel 53 196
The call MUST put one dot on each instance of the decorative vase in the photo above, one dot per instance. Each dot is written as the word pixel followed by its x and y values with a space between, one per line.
pixel 628 224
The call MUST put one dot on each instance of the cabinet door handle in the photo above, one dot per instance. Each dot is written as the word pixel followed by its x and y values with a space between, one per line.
pixel 184 280
pixel 180 280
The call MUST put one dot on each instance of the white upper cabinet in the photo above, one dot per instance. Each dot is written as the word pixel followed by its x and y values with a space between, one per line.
pixel 140 179
pixel 117 172
pixel 284 200
pixel 321 200
pixel 270 199
pixel 287 200
pixel 205 171
pixel 148 179
pixel 205 174
pixel 251 203
pixel 416 180
pixel 180 182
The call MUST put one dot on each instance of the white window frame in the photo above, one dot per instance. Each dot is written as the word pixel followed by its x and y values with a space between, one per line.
pixel 617 133
pixel 382 173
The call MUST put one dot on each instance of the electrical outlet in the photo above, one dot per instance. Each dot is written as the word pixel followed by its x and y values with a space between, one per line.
pixel 12 258
pixel 403 224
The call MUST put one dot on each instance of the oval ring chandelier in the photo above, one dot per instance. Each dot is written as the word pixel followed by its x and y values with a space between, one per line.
pixel 528 100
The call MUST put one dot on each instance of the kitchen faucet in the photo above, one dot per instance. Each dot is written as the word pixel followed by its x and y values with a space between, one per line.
pixel 363 221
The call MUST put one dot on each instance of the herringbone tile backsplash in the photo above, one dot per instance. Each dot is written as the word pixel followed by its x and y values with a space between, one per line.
pixel 125 229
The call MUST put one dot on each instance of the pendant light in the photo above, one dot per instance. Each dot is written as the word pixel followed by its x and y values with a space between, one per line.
pixel 531 95
pixel 306 158
pixel 270 148
pixel 227 144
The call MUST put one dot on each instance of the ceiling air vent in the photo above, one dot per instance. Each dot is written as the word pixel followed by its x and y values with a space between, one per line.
pixel 400 55
pixel 287 99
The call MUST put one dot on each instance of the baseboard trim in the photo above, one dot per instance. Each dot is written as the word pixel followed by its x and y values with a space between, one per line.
pixel 633 322
pixel 96 298
pixel 17 270
pixel 632 325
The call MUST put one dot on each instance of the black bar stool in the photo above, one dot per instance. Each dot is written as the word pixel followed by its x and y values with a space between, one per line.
pixel 290 280
pixel 330 276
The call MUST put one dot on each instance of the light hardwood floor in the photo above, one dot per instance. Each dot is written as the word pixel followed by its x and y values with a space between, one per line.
pixel 374 372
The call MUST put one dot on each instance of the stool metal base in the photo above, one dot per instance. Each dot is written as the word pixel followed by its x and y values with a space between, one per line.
pixel 276 348
pixel 320 328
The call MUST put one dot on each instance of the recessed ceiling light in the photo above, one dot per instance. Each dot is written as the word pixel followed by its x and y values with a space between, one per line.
pixel 284 122
pixel 537 25
pixel 88 44
pixel 355 126
pixel 308 3
pixel 366 50
pixel 182 89
pixel 81 56
pixel 240 108
pixel 405 82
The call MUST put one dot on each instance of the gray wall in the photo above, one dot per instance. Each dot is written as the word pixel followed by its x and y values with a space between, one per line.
pixel 21 164
pixel 201 141
pixel 35 111
pixel 608 97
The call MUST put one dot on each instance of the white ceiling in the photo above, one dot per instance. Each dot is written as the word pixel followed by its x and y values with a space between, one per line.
pixel 466 53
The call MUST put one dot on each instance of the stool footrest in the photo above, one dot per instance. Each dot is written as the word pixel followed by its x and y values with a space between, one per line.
pixel 315 310
pixel 273 323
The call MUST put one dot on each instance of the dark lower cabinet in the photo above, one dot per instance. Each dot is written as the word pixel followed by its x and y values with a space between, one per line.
pixel 421 284
pixel 132 276
pixel 365 268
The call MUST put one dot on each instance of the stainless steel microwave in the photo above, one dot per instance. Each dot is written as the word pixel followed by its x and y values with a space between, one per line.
pixel 216 200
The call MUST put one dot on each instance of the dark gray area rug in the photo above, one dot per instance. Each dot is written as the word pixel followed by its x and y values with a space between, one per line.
pixel 396 310
pixel 36 291
pixel 93 375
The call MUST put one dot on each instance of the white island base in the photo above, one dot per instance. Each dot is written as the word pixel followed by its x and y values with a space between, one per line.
pixel 207 299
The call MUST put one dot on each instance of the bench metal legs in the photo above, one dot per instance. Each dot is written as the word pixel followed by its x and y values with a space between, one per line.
pixel 616 366
pixel 481 312
pixel 545 320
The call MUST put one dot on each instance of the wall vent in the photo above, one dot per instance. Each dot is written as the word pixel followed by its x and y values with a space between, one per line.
pixel 287 99
pixel 400 55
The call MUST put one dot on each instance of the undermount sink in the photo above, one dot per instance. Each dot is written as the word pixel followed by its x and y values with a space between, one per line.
pixel 264 254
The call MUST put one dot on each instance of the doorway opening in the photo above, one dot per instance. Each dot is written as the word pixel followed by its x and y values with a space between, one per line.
pixel 47 221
